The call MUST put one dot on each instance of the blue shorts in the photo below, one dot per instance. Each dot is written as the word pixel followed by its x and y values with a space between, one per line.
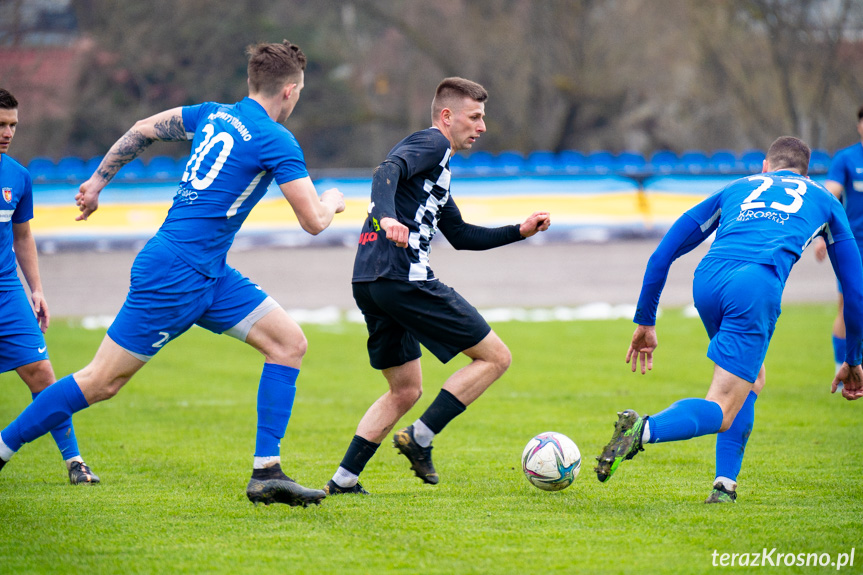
pixel 167 296
pixel 739 303
pixel 21 340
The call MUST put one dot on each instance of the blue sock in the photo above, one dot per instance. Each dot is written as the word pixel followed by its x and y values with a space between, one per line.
pixel 275 401
pixel 685 419
pixel 54 405
pixel 731 443
pixel 839 350
pixel 64 437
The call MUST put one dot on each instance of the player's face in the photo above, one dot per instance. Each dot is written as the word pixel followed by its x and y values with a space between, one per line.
pixel 860 128
pixel 467 124
pixel 291 102
pixel 8 124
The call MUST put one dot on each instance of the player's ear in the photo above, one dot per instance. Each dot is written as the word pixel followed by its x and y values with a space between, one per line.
pixel 446 116
pixel 765 166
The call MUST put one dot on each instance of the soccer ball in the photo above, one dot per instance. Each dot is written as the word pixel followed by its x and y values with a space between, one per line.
pixel 551 461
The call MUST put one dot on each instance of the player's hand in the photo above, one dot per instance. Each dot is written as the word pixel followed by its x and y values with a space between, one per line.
pixel 641 349
pixel 87 198
pixel 537 222
pixel 396 232
pixel 851 377
pixel 40 306
pixel 820 249
pixel 334 198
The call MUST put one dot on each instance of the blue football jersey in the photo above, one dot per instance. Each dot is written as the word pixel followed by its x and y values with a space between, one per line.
pixel 16 206
pixel 771 218
pixel 847 169
pixel 237 150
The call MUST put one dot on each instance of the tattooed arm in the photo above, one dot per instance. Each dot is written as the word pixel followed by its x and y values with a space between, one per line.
pixel 165 126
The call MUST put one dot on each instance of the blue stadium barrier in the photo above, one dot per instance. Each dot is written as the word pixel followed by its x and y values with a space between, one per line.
pixel 542 162
pixel 819 161
pixel 571 161
pixel 459 164
pixel 663 162
pixel 628 162
pixel 92 164
pixel 693 161
pixel 509 163
pixel 480 163
pixel 600 161
pixel 723 161
pixel 72 169
pixel 752 160
pixel 164 168
pixel 134 170
pixel 42 169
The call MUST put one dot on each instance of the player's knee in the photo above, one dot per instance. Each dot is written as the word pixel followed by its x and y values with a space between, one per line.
pixel 290 351
pixel 37 376
pixel 502 359
pixel 406 397
pixel 299 345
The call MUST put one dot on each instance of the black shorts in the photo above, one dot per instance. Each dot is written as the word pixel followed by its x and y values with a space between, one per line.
pixel 401 315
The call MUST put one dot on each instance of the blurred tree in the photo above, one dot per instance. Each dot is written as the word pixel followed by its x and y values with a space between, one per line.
pixel 779 65
pixel 150 56
pixel 584 74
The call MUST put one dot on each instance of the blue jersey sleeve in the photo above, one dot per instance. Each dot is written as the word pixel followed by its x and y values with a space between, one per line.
pixel 282 156
pixel 839 169
pixel 845 258
pixel 24 209
pixel 192 117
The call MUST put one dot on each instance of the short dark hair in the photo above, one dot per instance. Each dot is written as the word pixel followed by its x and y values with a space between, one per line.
pixel 7 100
pixel 789 153
pixel 272 65
pixel 860 113
pixel 450 90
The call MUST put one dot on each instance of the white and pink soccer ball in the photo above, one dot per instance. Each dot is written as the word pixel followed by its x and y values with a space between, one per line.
pixel 551 461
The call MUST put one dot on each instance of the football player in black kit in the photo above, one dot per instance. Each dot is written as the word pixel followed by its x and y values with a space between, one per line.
pixel 405 305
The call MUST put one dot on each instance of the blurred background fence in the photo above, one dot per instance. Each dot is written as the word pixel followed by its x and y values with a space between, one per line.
pixel 596 196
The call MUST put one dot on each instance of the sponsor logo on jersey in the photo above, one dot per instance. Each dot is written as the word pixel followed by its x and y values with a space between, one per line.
pixel 367 237
pixel 770 215
pixel 7 195
pixel 185 196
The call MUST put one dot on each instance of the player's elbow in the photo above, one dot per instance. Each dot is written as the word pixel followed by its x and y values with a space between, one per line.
pixel 315 227
pixel 315 224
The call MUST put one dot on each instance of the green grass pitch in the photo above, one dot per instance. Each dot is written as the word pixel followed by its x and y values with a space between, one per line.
pixel 174 450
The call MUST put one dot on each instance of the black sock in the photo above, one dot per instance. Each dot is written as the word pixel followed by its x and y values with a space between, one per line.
pixel 271 472
pixel 359 452
pixel 443 409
